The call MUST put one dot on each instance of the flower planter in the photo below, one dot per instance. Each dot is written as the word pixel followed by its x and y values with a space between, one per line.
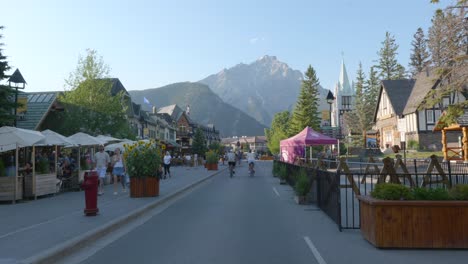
pixel 414 224
pixel 144 187
pixel 7 188
pixel 213 166
pixel 45 184
pixel 300 199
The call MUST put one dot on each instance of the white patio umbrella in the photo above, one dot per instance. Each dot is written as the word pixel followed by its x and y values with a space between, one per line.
pixel 84 139
pixel 107 139
pixel 54 138
pixel 14 138
pixel 119 145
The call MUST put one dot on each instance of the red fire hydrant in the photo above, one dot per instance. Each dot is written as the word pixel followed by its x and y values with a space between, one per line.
pixel 90 185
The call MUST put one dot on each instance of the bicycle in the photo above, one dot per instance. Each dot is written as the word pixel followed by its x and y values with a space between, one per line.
pixel 231 168
pixel 251 169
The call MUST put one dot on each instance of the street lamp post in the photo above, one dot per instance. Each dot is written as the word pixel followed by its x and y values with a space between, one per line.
pixel 16 78
pixel 330 99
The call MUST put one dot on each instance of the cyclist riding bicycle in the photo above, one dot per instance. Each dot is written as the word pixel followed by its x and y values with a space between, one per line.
pixel 251 160
pixel 231 157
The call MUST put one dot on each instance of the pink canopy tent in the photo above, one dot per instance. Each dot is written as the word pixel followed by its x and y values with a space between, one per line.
pixel 294 147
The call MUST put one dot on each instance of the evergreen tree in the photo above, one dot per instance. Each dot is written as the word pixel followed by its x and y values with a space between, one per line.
pixel 372 90
pixel 306 109
pixel 277 131
pixel 419 57
pixel 198 143
pixel 448 44
pixel 360 119
pixel 7 94
pixel 389 68
pixel 90 105
pixel 435 41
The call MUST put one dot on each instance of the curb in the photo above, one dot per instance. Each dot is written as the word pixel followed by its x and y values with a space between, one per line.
pixel 58 252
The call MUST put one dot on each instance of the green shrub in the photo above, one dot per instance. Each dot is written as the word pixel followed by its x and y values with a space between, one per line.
pixel 211 157
pixel 459 192
pixel 391 191
pixel 275 169
pixel 283 172
pixel 413 144
pixel 302 184
pixel 436 194
pixel 42 166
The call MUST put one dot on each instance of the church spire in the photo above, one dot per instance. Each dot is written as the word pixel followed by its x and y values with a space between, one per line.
pixel 344 86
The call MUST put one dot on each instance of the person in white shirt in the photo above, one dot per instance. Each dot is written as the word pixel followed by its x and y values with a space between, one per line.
pixel 251 159
pixel 231 157
pixel 167 164
pixel 101 161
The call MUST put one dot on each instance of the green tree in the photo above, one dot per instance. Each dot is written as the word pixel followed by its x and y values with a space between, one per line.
pixel 90 105
pixel 306 109
pixel 389 68
pixel 277 131
pixel 198 143
pixel 90 67
pixel 448 44
pixel 419 57
pixel 7 94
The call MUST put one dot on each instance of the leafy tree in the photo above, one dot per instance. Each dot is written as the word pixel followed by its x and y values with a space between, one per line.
pixel 91 67
pixel 7 94
pixel 419 57
pixel 90 105
pixel 278 131
pixel 198 143
pixel 306 109
pixel 389 68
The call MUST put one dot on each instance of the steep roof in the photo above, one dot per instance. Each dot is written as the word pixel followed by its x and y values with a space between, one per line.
pixel 425 82
pixel 37 106
pixel 174 111
pixel 398 92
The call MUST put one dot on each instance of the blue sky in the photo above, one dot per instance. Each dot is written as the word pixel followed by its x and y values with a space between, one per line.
pixel 149 44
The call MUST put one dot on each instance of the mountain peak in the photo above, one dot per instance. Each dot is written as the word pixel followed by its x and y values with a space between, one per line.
pixel 267 58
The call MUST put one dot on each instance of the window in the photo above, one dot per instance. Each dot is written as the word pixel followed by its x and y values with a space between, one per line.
pixel 430 116
pixel 388 137
pixel 445 102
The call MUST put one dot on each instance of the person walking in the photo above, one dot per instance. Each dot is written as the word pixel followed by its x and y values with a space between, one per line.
pixel 118 170
pixel 167 164
pixel 195 159
pixel 101 161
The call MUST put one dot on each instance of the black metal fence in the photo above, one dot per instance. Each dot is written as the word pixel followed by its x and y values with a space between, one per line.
pixel 334 196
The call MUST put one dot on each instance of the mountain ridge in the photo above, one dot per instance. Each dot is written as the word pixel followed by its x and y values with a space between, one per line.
pixel 205 107
pixel 261 88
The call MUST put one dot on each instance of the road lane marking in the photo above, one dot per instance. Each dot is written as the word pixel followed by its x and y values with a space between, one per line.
pixel 277 193
pixel 314 250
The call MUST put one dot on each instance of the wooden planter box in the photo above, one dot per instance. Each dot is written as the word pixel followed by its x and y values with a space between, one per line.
pixel 300 199
pixel 212 166
pixel 144 187
pixel 414 224
pixel 45 184
pixel 7 187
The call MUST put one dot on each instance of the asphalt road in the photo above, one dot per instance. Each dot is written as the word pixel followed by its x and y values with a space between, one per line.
pixel 248 220
pixel 238 220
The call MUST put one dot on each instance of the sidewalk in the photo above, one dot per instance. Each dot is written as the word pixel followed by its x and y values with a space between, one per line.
pixel 33 230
